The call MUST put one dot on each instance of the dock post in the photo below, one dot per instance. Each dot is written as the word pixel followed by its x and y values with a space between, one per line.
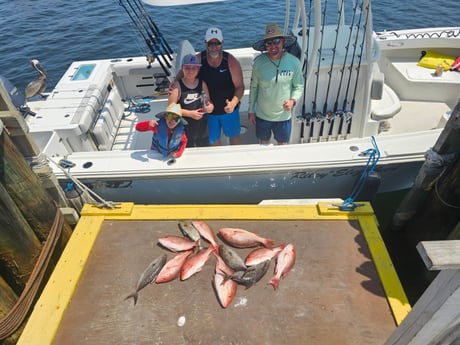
pixel 435 318
pixel 444 153
pixel 18 243
pixel 18 131
pixel 26 189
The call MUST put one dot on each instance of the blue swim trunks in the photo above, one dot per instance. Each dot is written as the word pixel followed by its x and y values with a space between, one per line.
pixel 229 123
pixel 281 130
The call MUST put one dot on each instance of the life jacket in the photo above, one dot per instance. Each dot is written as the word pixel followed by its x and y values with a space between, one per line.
pixel 160 140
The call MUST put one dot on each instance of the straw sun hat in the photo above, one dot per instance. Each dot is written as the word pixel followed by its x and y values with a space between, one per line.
pixel 273 31
pixel 174 109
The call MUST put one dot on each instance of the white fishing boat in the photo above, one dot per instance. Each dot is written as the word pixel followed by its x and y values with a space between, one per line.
pixel 368 107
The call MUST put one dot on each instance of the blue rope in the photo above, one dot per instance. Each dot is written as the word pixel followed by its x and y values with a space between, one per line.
pixel 139 105
pixel 374 156
pixel 69 186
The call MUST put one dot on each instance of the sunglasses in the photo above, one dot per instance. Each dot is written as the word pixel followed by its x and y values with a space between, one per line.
pixel 214 44
pixel 272 41
pixel 173 117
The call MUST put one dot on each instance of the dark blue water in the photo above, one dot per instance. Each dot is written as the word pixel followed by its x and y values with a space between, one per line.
pixel 58 32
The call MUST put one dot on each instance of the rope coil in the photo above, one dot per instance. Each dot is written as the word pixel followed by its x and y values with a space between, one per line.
pixel 374 156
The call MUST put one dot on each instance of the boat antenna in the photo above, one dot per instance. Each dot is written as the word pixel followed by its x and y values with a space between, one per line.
pixel 352 108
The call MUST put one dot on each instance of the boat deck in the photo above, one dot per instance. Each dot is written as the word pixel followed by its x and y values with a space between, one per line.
pixel 342 290
pixel 418 116
pixel 128 139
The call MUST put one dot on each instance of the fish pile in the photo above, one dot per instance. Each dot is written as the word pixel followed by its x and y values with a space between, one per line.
pixel 230 269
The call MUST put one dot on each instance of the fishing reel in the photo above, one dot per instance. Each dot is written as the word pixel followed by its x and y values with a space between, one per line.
pixel 305 118
pixel 348 115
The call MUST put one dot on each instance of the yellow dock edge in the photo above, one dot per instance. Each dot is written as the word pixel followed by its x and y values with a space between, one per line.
pixel 56 296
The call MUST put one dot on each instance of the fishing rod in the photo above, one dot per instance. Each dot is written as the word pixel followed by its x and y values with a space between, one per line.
pixel 336 104
pixel 329 115
pixel 314 111
pixel 345 101
pixel 150 41
pixel 305 70
pixel 352 108
pixel 147 41
pixel 154 35
pixel 155 30
pixel 157 51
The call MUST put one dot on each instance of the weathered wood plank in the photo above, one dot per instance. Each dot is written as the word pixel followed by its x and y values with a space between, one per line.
pixel 440 255
pixel 19 246
pixel 435 318
pixel 26 190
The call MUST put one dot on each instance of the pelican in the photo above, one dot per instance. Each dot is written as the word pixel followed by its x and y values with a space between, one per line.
pixel 38 85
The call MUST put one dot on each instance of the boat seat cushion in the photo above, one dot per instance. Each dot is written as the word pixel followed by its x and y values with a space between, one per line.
pixel 386 107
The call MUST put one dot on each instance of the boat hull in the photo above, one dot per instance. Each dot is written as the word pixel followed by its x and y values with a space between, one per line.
pixel 251 187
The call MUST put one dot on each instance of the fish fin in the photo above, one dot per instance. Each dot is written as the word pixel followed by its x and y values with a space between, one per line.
pixel 225 275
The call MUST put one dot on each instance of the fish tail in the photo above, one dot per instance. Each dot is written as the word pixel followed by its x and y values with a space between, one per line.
pixel 275 281
pixel 133 296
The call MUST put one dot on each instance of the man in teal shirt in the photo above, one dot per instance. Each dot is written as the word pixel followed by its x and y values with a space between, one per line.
pixel 276 86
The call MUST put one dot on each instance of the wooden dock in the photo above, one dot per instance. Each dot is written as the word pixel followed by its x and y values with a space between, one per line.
pixel 343 288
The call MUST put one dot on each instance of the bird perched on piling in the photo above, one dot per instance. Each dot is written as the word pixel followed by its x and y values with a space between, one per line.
pixel 38 85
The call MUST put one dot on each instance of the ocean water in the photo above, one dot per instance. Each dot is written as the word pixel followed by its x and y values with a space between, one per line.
pixel 58 32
